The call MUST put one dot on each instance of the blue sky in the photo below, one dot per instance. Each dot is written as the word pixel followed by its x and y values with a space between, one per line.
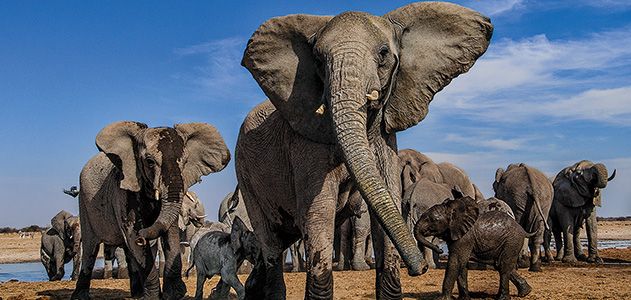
pixel 553 88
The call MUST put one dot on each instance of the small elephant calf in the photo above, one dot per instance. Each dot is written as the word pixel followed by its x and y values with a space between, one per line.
pixel 492 238
pixel 221 253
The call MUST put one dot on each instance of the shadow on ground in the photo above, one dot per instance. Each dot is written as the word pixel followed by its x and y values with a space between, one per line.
pixel 95 293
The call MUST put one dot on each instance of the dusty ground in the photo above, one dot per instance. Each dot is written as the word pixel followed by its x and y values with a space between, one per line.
pixel 557 281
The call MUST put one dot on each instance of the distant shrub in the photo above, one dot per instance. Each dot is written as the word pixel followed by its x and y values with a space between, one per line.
pixel 627 218
pixel 8 230
pixel 33 228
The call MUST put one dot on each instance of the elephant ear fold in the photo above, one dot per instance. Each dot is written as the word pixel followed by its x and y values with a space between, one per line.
pixel 464 213
pixel 279 56
pixel 118 141
pixel 438 42
pixel 205 151
pixel 498 174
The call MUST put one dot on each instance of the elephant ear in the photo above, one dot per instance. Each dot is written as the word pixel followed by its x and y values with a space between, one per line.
pixel 438 42
pixel 118 141
pixel 59 223
pixel 204 149
pixel 279 56
pixel 464 213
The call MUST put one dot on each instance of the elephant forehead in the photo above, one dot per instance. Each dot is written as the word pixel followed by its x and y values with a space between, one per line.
pixel 353 26
pixel 161 140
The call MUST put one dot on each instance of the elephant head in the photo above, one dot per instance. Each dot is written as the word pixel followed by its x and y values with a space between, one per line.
pixel 336 79
pixel 450 220
pixel 243 241
pixel 162 163
pixel 193 211
pixel 68 228
pixel 587 178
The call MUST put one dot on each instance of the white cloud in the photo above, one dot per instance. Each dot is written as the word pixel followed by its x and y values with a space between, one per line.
pixel 520 80
pixel 494 8
pixel 487 141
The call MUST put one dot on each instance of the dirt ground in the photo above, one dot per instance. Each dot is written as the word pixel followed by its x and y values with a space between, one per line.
pixel 557 281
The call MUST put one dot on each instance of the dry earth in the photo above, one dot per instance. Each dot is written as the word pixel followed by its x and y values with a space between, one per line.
pixel 557 281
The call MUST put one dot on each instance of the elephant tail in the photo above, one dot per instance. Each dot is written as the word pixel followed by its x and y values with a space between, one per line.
pixel 531 234
pixel 533 196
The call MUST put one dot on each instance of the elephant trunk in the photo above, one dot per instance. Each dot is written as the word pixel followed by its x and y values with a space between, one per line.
pixel 601 175
pixel 170 209
pixel 348 101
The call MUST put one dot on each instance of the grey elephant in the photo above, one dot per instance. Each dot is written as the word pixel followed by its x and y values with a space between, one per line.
pixel 131 193
pixel 60 244
pixel 577 192
pixel 416 165
pixel 425 184
pixel 529 194
pixel 220 253
pixel 492 238
pixel 339 89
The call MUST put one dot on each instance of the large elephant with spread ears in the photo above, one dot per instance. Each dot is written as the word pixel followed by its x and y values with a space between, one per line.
pixel 339 89
pixel 576 195
pixel 131 192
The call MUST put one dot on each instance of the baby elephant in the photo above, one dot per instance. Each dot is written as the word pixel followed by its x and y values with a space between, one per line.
pixel 221 253
pixel 492 238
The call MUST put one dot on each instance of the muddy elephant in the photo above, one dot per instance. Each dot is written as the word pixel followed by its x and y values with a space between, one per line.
pixel 339 89
pixel 60 244
pixel 353 244
pixel 577 192
pixel 131 193
pixel 529 194
pixel 492 237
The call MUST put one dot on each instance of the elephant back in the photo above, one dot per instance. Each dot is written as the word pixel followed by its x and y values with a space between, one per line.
pixel 423 195
pixel 454 176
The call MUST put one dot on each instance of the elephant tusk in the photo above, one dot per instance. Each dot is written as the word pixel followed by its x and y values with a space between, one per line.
pixel 201 217
pixel 320 110
pixel 157 195
pixel 374 95
pixel 613 175
pixel 188 194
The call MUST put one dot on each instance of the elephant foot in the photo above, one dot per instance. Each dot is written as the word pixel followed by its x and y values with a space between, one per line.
pixel 503 297
pixel 464 297
pixel 360 266
pixel 592 259
pixel 122 273
pixel 548 258
pixel 174 288
pixel 107 274
pixel 80 295
pixel 536 267
pixel 339 267
pixel 524 290
pixel 581 257
pixel 569 260
pixel 444 297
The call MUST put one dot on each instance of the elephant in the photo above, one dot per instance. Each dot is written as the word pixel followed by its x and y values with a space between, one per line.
pixel 339 88
pixel 492 238
pixel 494 204
pixel 353 243
pixel 577 192
pixel 131 193
pixel 529 194
pixel 61 244
pixel 416 165
pixel 222 253
pixel 425 184
pixel 110 254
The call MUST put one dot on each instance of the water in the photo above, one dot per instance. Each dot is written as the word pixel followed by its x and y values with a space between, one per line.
pixel 35 271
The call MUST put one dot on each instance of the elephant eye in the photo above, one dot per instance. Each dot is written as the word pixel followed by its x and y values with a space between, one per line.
pixel 383 53
pixel 150 162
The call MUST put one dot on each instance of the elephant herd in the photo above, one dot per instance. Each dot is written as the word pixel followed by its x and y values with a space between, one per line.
pixel 318 168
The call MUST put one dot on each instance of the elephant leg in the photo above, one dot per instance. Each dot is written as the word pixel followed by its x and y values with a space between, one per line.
pixel 522 260
pixel 136 280
pixel 388 283
pixel 318 227
pixel 591 225
pixel 295 257
pixel 119 253
pixel 199 290
pixel 361 230
pixel 90 251
pixel 285 252
pixel 174 287
pixel 558 243
pixel 108 261
pixel 369 251
pixel 535 251
pixel 76 265
pixel 232 280
pixel 546 246
pixel 344 255
pixel 568 241
pixel 578 247
pixel 161 259
pixel 59 262
pixel 523 288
